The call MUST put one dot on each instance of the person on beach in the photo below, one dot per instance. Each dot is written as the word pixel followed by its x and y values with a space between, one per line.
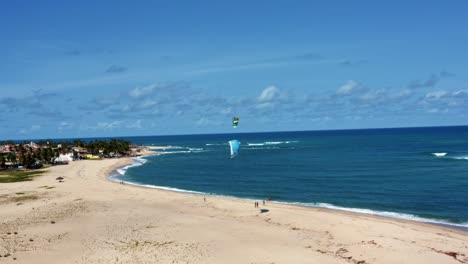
pixel 204 199
pixel 263 202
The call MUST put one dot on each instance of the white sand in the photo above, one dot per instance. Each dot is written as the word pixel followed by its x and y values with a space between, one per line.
pixel 98 221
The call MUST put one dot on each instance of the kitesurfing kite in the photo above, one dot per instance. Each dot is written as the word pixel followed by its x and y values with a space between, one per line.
pixel 234 144
pixel 235 121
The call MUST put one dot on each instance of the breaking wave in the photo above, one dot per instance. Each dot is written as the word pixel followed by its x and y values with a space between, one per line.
pixel 452 156
pixel 382 213
pixel 271 143
pixel 460 158
pixel 136 162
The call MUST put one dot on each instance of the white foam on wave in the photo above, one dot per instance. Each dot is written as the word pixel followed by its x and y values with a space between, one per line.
pixel 280 142
pixel 256 148
pixel 136 162
pixel 164 147
pixel 444 154
pixel 188 151
pixel 395 215
pixel 274 142
pixel 159 187
pixel 255 144
pixel 174 152
pixel 216 144
pixel 141 160
pixel 381 213
pixel 195 149
pixel 461 158
pixel 123 170
pixel 271 143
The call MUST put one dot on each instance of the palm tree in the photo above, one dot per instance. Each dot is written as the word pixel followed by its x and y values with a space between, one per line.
pixel 11 157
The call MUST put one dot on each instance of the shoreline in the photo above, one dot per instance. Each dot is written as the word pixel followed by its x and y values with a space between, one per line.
pixel 357 211
pixel 90 219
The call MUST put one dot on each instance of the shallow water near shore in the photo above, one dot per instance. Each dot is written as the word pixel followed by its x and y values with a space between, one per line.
pixel 410 173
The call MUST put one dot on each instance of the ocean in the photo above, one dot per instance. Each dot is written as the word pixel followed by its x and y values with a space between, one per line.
pixel 410 173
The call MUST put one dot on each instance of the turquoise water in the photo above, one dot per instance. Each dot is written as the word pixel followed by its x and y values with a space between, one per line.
pixel 412 173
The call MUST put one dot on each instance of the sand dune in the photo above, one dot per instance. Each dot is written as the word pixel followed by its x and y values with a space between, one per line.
pixel 88 219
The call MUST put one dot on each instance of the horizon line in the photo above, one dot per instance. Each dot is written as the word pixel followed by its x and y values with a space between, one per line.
pixel 256 132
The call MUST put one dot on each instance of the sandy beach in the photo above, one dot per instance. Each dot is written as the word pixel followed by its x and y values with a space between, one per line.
pixel 89 219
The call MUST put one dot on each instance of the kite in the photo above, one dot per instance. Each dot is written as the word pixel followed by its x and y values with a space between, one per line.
pixel 235 121
pixel 234 144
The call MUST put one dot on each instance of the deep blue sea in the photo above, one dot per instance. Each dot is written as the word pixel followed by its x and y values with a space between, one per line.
pixel 411 173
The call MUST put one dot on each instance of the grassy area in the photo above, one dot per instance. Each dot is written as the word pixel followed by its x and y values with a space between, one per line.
pixel 18 176
pixel 24 198
pixel 18 198
pixel 46 187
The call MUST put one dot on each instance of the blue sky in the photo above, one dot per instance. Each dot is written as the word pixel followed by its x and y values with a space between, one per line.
pixel 115 68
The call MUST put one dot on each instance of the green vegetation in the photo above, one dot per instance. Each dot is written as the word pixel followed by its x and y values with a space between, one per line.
pixel 18 198
pixel 24 198
pixel 46 187
pixel 36 155
pixel 18 176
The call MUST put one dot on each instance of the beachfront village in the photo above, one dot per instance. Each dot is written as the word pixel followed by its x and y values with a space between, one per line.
pixel 34 155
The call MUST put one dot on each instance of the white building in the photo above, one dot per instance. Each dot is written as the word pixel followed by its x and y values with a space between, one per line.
pixel 65 157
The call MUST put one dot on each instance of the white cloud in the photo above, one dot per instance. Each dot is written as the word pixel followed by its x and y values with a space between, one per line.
pixel 347 88
pixel 108 125
pixel 269 94
pixel 373 97
pixel 320 119
pixel 203 121
pixel 140 92
pixel 266 105
pixel 438 110
pixel 125 108
pixel 64 126
pixel 227 110
pixel 434 96
pixel 461 93
pixel 402 93
pixel 270 98
pixel 354 118
pixel 30 129
pixel 137 124
pixel 445 101
pixel 148 104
